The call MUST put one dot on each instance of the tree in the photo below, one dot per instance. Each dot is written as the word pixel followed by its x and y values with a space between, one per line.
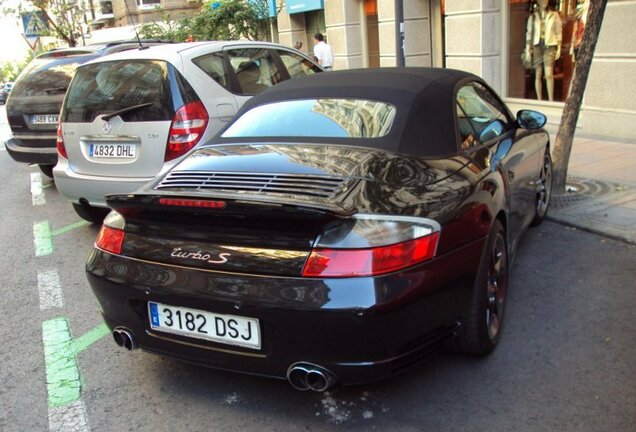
pixel 230 20
pixel 167 29
pixel 565 136
pixel 217 20
pixel 64 16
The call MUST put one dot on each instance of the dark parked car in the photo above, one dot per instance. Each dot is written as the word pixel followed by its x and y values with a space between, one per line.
pixel 3 95
pixel 36 99
pixel 342 228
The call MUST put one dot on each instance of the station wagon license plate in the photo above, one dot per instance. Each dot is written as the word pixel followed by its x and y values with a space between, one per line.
pixel 225 329
pixel 121 151
pixel 44 119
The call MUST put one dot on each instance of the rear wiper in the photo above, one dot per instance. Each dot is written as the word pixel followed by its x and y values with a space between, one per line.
pixel 55 89
pixel 125 110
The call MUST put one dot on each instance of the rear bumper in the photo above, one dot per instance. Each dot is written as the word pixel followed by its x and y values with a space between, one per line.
pixel 32 155
pixel 93 189
pixel 360 329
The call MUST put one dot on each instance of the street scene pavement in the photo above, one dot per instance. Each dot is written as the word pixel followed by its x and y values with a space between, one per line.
pixel 602 189
pixel 566 361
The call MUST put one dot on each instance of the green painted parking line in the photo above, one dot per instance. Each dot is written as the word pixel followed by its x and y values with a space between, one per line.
pixel 62 373
pixel 90 337
pixel 42 238
pixel 70 227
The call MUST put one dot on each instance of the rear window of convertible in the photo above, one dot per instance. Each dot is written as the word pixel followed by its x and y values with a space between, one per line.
pixel 321 118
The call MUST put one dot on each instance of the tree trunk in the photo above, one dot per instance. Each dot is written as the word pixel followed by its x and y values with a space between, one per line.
pixel 59 32
pixel 565 136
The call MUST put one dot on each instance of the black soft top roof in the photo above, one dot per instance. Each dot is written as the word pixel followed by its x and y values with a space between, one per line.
pixel 424 98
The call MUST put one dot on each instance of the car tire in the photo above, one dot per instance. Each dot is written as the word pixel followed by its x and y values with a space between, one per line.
pixel 47 170
pixel 484 322
pixel 91 214
pixel 544 190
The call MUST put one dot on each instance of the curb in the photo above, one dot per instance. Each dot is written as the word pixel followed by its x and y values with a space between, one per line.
pixel 589 214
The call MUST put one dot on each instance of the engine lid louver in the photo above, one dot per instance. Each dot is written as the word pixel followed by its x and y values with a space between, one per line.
pixel 308 185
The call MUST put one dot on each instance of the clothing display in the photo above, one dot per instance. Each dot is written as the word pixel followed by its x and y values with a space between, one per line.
pixel 580 19
pixel 544 34
pixel 544 25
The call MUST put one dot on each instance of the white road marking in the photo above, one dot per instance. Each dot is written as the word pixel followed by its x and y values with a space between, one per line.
pixel 50 290
pixel 37 192
pixel 69 418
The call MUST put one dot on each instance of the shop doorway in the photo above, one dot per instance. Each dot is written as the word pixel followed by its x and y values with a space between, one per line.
pixel 372 33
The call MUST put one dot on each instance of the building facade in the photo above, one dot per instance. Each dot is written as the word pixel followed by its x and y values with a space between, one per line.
pixel 485 37
pixel 112 14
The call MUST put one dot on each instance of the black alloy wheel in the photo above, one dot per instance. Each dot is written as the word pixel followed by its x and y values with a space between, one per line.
pixel 544 190
pixel 484 322
pixel 496 287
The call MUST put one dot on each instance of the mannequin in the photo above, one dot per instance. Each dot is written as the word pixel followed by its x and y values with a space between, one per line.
pixel 544 36
pixel 580 19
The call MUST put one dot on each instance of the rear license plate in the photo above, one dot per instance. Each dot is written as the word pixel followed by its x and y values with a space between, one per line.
pixel 44 119
pixel 121 151
pixel 225 329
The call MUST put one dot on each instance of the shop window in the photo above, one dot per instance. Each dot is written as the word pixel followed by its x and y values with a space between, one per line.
pixel 551 32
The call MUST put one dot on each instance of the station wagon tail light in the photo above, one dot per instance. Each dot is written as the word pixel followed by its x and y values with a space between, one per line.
pixel 59 142
pixel 371 245
pixel 187 128
pixel 111 235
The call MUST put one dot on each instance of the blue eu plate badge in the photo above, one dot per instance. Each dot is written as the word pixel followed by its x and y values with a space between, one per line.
pixel 154 314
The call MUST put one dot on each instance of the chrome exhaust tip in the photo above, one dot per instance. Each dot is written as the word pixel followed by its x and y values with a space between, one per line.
pixel 307 376
pixel 319 380
pixel 124 338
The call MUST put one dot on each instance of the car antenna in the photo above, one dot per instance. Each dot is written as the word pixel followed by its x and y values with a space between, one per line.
pixel 141 47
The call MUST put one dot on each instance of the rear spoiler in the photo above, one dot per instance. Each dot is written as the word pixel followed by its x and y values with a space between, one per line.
pixel 132 204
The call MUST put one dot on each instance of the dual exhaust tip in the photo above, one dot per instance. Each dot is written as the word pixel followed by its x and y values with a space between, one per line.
pixel 307 376
pixel 302 376
pixel 124 338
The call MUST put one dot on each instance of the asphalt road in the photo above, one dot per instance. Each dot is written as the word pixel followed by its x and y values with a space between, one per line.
pixel 566 362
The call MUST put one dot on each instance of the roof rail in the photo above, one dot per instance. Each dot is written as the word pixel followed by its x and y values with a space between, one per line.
pixel 120 42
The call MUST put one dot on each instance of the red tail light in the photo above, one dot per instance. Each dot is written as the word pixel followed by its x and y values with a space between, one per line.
pixel 110 239
pixel 187 128
pixel 370 244
pixel 59 142
pixel 372 261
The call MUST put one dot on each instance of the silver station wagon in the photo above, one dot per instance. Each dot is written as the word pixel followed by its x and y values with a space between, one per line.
pixel 130 116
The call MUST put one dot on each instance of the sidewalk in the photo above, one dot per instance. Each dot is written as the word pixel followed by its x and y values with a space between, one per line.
pixel 602 176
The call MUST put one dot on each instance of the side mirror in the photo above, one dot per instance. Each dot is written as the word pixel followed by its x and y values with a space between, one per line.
pixel 529 119
pixel 493 130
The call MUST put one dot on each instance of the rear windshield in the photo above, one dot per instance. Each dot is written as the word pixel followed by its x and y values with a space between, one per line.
pixel 321 118
pixel 48 76
pixel 106 87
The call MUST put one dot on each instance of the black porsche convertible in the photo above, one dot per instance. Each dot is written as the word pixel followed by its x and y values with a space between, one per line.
pixel 340 229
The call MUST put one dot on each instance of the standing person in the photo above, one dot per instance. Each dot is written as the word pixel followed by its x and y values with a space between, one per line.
pixel 322 51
